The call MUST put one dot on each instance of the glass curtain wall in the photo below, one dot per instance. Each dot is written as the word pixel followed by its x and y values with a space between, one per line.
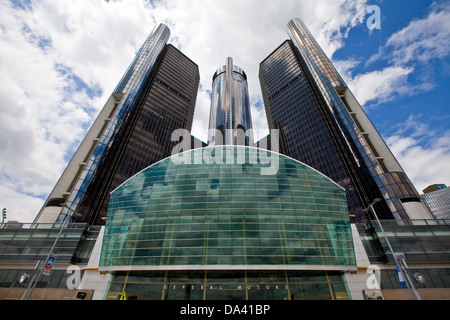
pixel 228 213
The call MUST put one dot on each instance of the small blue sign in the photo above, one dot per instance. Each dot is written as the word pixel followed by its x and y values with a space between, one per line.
pixel 401 279
pixel 49 264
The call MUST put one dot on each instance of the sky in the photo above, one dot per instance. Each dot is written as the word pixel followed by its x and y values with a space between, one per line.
pixel 61 59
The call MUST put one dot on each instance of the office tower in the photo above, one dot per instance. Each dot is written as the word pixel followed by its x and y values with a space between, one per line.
pixel 156 96
pixel 322 124
pixel 437 199
pixel 434 187
pixel 215 223
pixel 230 120
pixel 208 223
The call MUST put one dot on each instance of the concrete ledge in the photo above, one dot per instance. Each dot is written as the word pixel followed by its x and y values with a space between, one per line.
pixel 425 294
pixel 229 267
pixel 45 294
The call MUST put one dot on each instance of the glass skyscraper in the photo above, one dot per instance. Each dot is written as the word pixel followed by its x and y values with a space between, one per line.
pixel 222 221
pixel 437 199
pixel 156 96
pixel 230 120
pixel 227 220
pixel 322 124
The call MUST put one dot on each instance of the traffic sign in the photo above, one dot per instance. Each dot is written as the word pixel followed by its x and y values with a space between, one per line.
pixel 49 264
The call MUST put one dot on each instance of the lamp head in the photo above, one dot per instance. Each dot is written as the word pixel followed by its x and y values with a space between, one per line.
pixel 376 200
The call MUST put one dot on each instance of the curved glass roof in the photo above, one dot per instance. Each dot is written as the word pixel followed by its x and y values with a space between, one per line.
pixel 227 207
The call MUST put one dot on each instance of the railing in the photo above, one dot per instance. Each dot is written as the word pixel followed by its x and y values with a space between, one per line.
pixel 21 225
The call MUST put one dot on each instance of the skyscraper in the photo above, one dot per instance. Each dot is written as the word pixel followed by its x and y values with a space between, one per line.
pixel 437 199
pixel 322 124
pixel 230 120
pixel 156 95
pixel 213 223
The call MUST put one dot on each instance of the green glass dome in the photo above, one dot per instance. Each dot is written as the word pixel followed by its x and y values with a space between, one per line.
pixel 191 212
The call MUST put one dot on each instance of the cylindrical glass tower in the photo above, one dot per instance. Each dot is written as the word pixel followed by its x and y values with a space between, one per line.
pixel 230 119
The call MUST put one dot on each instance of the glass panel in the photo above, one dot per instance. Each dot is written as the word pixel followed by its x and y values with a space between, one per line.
pixel 171 220
pixel 229 285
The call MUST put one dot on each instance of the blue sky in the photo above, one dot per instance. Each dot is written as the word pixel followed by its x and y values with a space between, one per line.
pixel 428 102
pixel 61 59
pixel 414 118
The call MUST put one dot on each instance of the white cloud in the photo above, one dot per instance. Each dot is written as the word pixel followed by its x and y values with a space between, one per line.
pixel 19 205
pixel 408 52
pixel 425 164
pixel 423 39
pixel 94 38
pixel 248 31
pixel 42 113
pixel 345 68
pixel 259 122
pixel 201 116
pixel 54 54
pixel 423 151
pixel 209 32
pixel 380 85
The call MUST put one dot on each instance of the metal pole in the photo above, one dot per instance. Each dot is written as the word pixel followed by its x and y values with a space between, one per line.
pixel 405 267
pixel 408 281
pixel 32 279
pixel 43 265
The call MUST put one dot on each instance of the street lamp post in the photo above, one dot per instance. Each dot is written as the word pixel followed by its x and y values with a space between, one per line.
pixel 401 267
pixel 41 269
pixel 39 274
pixel 32 281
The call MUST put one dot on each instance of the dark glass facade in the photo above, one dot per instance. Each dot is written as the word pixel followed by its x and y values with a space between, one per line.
pixel 307 132
pixel 126 96
pixel 321 124
pixel 424 244
pixel 165 104
pixel 9 278
pixel 424 278
pixel 438 202
pixel 33 242
pixel 420 241
pixel 229 285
